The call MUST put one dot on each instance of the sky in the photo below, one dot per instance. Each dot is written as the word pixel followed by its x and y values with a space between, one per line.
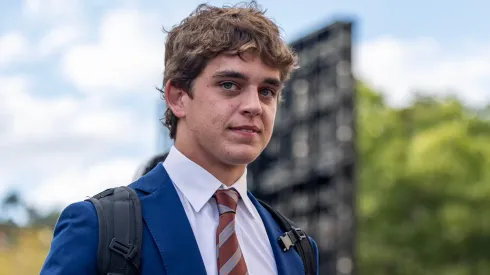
pixel 78 104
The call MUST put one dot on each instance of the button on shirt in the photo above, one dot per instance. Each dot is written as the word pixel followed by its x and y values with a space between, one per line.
pixel 195 187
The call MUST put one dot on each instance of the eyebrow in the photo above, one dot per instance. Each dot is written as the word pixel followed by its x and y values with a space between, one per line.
pixel 238 75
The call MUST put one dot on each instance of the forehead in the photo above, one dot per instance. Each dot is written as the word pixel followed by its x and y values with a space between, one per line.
pixel 248 64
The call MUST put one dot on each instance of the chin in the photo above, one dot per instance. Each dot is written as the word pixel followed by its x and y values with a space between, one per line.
pixel 242 155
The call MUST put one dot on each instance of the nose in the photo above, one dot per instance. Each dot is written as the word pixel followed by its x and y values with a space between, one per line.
pixel 251 104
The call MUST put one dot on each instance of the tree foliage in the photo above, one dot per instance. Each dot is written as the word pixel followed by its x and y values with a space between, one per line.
pixel 23 248
pixel 424 187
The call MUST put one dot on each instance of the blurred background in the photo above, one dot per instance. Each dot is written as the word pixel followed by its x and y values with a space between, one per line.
pixel 381 149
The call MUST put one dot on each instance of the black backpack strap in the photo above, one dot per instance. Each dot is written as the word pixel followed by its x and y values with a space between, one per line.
pixel 120 231
pixel 294 237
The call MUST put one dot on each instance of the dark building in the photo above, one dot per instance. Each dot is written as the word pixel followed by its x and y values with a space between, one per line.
pixel 307 170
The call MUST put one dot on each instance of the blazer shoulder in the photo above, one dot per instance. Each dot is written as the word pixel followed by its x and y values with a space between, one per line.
pixel 75 242
pixel 316 253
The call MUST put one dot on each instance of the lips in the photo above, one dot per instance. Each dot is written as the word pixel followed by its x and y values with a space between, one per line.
pixel 247 129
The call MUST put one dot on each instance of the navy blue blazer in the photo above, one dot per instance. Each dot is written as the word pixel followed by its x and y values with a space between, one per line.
pixel 169 246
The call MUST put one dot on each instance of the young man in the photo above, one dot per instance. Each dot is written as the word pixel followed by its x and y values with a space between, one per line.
pixel 224 70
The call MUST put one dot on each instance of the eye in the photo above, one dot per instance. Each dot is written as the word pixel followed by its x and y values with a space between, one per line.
pixel 227 85
pixel 267 92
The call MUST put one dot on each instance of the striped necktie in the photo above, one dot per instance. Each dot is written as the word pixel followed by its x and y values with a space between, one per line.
pixel 228 252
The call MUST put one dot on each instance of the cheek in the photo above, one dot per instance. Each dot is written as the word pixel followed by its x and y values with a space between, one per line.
pixel 269 117
pixel 219 115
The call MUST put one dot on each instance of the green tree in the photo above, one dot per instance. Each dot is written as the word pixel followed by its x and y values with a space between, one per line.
pixel 424 187
pixel 13 201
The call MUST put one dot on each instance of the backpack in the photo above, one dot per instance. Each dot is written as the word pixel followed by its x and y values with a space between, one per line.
pixel 121 228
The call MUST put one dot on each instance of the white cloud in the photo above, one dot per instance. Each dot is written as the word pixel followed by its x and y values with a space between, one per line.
pixel 66 143
pixel 30 118
pixel 13 47
pixel 128 55
pixel 400 67
pixel 77 182
pixel 58 39
pixel 51 9
pixel 62 149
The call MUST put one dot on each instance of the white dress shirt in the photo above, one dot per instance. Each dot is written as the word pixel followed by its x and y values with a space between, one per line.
pixel 195 187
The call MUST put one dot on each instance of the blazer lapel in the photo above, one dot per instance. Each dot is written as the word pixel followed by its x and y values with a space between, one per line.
pixel 288 262
pixel 167 221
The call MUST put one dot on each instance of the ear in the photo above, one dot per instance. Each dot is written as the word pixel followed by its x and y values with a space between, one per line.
pixel 175 99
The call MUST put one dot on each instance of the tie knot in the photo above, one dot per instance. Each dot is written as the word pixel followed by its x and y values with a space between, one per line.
pixel 227 200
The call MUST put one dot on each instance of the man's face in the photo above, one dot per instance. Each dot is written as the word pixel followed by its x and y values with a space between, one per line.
pixel 231 114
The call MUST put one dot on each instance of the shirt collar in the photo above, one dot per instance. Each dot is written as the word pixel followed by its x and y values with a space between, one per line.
pixel 241 187
pixel 197 184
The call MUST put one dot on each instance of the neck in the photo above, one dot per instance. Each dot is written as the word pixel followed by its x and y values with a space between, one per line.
pixel 226 173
